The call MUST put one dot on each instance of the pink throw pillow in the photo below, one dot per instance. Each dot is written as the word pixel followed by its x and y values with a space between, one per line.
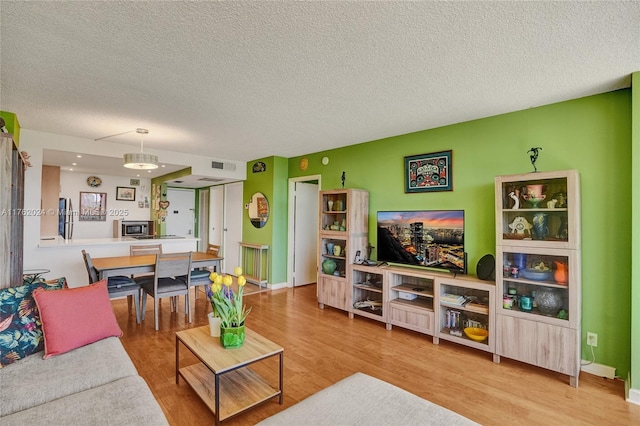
pixel 75 317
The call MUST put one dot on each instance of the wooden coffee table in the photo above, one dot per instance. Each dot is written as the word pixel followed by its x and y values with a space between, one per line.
pixel 223 379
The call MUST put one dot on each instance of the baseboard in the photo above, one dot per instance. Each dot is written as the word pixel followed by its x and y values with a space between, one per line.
pixel 599 370
pixel 633 395
pixel 277 286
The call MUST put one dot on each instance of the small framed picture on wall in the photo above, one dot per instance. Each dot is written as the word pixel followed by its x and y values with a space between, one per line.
pixel 93 206
pixel 428 172
pixel 125 193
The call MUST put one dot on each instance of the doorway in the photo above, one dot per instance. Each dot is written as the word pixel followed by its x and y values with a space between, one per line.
pixel 225 222
pixel 181 212
pixel 303 230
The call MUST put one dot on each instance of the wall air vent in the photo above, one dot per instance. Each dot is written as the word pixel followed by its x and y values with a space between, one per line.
pixel 222 166
pixel 208 179
pixel 177 181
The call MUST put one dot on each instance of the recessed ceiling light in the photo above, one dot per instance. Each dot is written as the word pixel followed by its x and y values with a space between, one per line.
pixel 79 156
pixel 74 164
pixel 163 165
pixel 70 170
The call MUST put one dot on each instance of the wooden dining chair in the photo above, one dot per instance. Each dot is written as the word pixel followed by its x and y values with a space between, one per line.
pixel 165 282
pixel 213 249
pixel 117 286
pixel 200 277
pixel 139 250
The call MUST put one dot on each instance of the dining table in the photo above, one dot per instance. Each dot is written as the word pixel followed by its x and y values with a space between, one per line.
pixel 140 264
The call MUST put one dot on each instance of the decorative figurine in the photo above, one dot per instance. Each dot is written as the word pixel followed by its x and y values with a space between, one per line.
pixel 534 156
pixel 344 176
pixel 515 195
pixel 520 225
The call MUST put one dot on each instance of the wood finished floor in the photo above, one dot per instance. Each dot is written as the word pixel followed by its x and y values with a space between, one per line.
pixel 322 347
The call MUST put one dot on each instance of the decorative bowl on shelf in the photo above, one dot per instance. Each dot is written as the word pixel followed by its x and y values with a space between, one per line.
pixel 536 274
pixel 549 300
pixel 477 334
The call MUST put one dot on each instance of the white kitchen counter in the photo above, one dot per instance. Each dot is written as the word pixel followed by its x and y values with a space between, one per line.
pixel 64 257
pixel 84 242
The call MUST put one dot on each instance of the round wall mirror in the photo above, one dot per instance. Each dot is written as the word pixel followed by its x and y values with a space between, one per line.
pixel 258 210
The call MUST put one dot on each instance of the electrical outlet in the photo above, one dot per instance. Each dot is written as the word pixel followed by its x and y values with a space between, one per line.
pixel 592 339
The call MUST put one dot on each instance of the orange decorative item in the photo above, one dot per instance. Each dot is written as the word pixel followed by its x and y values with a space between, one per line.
pixel 560 275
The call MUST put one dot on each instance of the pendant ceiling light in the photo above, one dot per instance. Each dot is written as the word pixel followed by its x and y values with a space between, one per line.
pixel 140 160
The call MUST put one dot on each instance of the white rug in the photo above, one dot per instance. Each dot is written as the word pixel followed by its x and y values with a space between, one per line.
pixel 364 400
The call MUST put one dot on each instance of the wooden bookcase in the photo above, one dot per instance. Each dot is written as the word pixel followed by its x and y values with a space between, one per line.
pixel 538 284
pixel 11 209
pixel 343 223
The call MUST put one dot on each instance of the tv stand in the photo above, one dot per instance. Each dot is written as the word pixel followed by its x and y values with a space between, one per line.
pixel 420 300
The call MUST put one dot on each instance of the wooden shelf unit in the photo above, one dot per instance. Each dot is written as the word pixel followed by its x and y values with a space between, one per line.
pixel 11 206
pixel 415 314
pixel 478 308
pixel 343 222
pixel 367 284
pixel 541 265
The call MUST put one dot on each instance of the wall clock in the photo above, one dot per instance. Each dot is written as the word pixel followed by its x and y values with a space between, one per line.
pixel 94 181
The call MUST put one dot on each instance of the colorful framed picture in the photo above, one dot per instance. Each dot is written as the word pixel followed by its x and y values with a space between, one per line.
pixel 125 193
pixel 93 206
pixel 428 172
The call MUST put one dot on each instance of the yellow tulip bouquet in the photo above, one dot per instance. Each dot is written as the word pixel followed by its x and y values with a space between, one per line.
pixel 227 305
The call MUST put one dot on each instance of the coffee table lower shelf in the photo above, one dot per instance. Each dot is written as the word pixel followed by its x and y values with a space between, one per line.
pixel 240 389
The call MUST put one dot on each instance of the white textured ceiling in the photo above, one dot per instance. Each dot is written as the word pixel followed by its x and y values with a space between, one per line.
pixel 244 80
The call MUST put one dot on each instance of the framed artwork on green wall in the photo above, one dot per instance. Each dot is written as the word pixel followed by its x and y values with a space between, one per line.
pixel 428 172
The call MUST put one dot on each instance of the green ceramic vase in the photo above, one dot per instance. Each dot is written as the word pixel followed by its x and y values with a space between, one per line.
pixel 232 337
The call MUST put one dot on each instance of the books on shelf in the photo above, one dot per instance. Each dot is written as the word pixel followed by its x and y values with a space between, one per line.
pixel 453 299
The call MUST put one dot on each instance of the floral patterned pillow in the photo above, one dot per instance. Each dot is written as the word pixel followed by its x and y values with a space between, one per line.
pixel 20 326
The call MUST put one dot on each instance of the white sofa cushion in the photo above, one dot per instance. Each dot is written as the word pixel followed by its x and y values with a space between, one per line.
pixel 127 401
pixel 33 381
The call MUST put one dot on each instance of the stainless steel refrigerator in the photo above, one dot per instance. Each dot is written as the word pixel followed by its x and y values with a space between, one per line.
pixel 65 218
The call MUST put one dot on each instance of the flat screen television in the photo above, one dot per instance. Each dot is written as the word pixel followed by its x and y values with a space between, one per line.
pixel 427 238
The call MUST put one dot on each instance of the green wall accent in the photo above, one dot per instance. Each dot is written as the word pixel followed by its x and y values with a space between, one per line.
pixel 635 282
pixel 592 135
pixel 273 184
pixel 12 125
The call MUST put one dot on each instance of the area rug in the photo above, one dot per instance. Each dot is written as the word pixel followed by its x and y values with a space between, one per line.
pixel 364 400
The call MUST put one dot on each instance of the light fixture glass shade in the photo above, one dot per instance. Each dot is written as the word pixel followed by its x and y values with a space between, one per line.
pixel 141 161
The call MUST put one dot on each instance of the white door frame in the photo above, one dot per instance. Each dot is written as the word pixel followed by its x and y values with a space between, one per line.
pixel 290 226
pixel 203 219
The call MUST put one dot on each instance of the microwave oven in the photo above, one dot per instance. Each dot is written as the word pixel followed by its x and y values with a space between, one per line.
pixel 130 229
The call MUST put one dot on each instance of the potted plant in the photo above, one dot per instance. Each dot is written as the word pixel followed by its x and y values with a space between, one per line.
pixel 228 307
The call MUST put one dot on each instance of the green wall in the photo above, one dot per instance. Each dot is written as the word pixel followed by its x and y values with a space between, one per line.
pixel 592 135
pixel 635 287
pixel 273 184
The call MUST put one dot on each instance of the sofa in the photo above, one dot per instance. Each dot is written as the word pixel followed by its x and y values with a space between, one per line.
pixel 361 399
pixel 44 382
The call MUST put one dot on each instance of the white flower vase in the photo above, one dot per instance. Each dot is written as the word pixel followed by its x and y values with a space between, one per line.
pixel 214 325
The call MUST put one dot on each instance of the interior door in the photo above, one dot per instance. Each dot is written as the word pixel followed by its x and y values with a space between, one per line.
pixel 305 228
pixel 216 215
pixel 233 211
pixel 181 212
